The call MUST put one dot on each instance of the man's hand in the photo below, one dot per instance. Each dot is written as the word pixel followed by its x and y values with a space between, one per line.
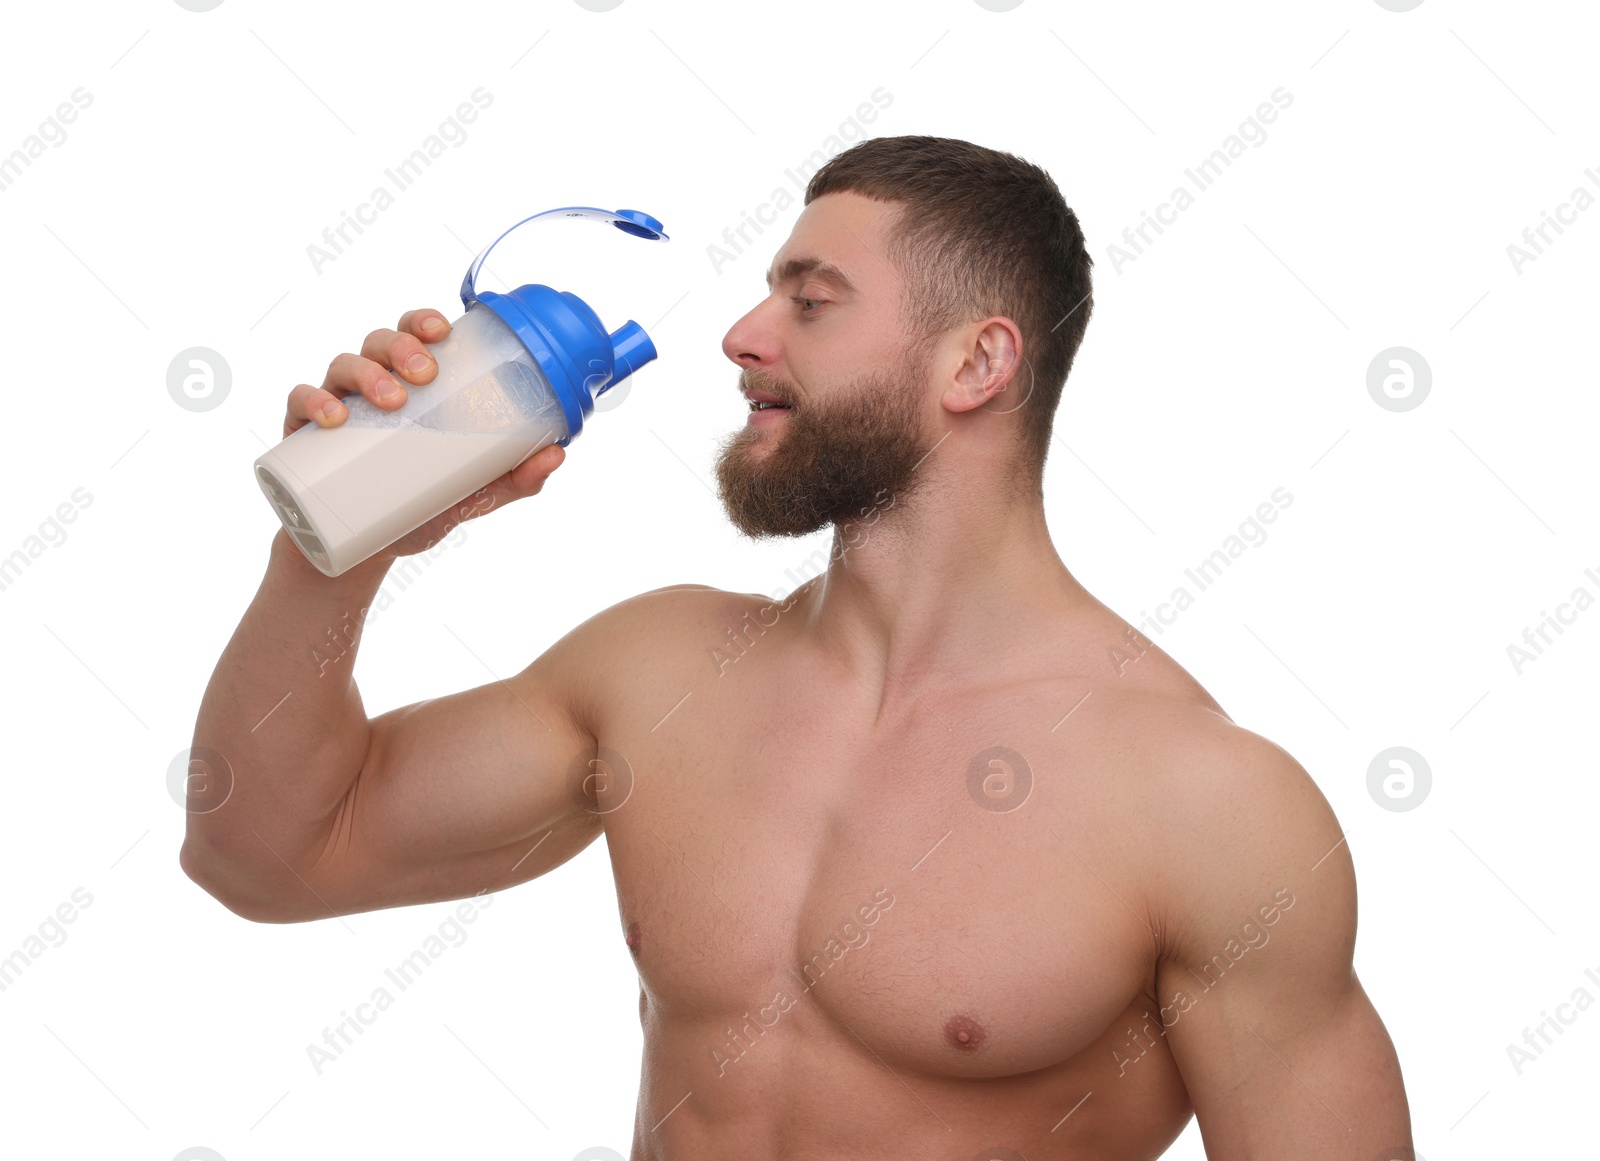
pixel 1281 1051
pixel 374 373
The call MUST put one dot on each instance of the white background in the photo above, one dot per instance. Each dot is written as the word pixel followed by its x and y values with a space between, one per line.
pixel 1229 359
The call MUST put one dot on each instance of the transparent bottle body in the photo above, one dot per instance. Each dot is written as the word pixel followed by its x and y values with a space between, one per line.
pixel 344 493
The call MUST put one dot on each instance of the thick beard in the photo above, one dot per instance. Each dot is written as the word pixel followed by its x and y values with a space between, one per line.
pixel 830 464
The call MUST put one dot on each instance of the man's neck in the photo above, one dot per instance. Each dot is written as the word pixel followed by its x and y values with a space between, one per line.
pixel 949 584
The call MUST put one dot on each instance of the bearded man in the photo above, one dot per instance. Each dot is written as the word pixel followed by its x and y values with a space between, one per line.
pixel 912 862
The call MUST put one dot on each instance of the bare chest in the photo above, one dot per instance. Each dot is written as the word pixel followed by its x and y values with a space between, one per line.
pixel 953 890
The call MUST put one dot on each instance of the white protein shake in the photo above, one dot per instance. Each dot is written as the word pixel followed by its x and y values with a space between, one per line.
pixel 349 491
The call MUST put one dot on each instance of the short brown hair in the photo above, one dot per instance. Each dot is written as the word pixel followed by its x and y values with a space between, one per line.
pixel 980 233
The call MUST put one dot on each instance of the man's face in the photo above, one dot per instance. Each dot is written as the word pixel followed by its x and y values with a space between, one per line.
pixel 827 343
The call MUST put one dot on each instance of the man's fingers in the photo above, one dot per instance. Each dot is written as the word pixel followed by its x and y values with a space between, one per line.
pixel 308 404
pixel 387 362
pixel 526 479
pixel 402 353
pixel 351 374
pixel 428 325
pixel 529 476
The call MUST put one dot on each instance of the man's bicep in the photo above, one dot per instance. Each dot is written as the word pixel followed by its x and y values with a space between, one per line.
pixel 1279 1047
pixel 460 794
pixel 1323 1084
pixel 495 785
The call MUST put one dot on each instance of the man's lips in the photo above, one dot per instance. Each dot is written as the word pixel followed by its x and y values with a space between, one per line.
pixel 764 397
pixel 765 407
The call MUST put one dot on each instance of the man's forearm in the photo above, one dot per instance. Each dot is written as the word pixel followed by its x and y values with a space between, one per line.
pixel 282 733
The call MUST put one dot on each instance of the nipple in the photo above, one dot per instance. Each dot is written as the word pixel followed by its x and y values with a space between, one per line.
pixel 632 938
pixel 964 1033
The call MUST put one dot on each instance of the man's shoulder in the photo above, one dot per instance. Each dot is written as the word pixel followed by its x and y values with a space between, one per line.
pixel 649 627
pixel 653 637
pixel 1180 739
pixel 1211 762
pixel 623 658
pixel 1231 816
pixel 673 610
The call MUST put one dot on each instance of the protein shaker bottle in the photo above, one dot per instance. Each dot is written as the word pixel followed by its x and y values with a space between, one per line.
pixel 517 372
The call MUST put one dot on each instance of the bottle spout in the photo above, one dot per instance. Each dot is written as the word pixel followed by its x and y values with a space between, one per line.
pixel 631 349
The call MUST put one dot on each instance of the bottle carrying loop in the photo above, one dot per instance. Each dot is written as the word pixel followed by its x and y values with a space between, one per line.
pixel 635 222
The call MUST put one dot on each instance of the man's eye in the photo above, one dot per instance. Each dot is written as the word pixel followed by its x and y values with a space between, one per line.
pixel 807 303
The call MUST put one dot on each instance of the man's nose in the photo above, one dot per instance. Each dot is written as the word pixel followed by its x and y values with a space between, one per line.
pixel 748 342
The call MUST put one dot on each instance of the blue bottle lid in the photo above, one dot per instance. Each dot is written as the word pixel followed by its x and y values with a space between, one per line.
pixel 562 333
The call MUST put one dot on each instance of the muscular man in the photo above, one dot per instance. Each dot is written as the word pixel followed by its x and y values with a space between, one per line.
pixel 935 856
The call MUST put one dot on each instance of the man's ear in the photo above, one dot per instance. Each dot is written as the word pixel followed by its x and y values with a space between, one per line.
pixel 990 357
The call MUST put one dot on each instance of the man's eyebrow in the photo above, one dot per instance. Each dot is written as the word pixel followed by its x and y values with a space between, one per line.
pixel 800 267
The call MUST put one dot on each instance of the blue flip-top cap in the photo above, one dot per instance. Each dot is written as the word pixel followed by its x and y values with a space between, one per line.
pixel 563 334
